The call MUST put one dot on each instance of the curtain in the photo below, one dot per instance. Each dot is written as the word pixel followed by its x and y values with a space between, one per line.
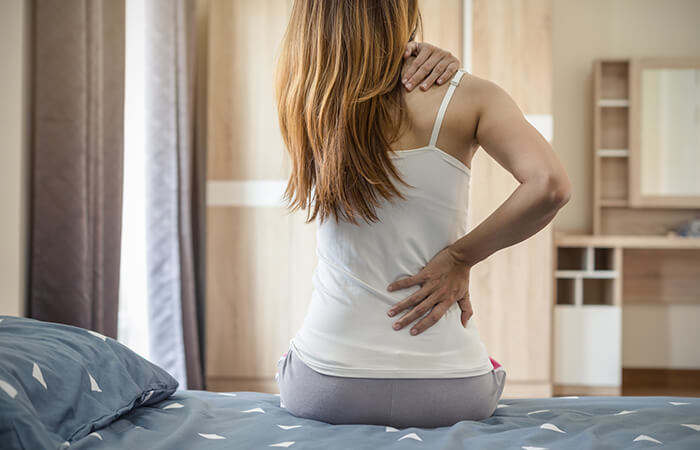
pixel 174 184
pixel 76 162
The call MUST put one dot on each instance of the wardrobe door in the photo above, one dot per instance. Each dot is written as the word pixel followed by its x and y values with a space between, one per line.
pixel 511 290
pixel 259 258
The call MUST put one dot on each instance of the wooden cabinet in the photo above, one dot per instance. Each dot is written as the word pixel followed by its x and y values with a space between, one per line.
pixel 628 265
pixel 596 278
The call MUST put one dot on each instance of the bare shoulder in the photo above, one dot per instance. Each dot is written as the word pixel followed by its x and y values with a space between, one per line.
pixel 472 96
pixel 462 114
pixel 490 105
pixel 476 94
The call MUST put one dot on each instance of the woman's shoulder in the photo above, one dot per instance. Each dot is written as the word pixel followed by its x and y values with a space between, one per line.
pixel 462 110
pixel 471 91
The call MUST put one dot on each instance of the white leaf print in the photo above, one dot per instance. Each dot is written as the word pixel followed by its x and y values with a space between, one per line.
pixel 7 387
pixel 96 334
pixel 36 373
pixel 551 426
pixel 211 436
pixel 254 410
pixel 644 437
pixel 410 436
pixel 95 434
pixel 175 405
pixel 93 384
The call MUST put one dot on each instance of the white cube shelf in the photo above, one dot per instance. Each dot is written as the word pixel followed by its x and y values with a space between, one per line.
pixel 587 317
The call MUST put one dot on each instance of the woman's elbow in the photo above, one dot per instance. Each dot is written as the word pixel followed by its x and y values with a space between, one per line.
pixel 555 189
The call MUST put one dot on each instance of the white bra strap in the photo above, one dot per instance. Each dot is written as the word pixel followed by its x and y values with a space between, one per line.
pixel 441 112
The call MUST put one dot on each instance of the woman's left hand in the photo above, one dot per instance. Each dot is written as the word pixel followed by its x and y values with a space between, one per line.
pixel 444 281
pixel 430 65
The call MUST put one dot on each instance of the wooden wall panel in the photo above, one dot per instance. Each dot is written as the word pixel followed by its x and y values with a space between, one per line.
pixel 260 262
pixel 256 268
pixel 248 284
pixel 244 139
pixel 442 24
pixel 511 290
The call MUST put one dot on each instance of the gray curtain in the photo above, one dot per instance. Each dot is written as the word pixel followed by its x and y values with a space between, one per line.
pixel 174 183
pixel 76 162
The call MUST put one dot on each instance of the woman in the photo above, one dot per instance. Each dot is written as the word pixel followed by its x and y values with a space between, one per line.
pixel 385 172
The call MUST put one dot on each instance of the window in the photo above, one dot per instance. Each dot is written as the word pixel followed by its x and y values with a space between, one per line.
pixel 133 306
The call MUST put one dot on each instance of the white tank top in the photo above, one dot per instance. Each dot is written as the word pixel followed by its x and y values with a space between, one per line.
pixel 346 331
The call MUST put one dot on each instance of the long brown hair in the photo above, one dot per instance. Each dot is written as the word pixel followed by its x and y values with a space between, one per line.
pixel 337 83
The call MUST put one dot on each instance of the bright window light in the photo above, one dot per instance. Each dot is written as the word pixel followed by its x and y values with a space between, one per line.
pixel 133 287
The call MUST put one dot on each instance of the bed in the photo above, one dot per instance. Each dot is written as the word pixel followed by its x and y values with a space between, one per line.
pixel 132 404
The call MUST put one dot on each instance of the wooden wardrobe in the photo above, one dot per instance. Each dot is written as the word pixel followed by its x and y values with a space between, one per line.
pixel 260 258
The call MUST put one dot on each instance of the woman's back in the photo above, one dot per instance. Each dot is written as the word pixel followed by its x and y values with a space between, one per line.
pixel 346 331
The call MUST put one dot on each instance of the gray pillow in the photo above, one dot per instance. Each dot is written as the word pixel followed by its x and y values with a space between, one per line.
pixel 59 383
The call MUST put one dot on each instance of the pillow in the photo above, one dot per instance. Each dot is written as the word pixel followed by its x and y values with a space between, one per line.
pixel 59 383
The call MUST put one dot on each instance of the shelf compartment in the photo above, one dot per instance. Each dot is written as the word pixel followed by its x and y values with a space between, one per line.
pixel 614 83
pixel 604 258
pixel 598 291
pixel 614 128
pixel 613 179
pixel 571 258
pixel 566 291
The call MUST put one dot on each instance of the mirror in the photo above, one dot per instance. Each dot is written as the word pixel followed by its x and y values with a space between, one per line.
pixel 664 133
pixel 670 132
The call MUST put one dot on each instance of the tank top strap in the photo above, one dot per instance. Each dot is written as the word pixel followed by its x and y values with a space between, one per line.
pixel 441 112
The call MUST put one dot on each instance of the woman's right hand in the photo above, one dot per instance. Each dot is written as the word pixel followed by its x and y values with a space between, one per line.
pixel 444 281
pixel 430 65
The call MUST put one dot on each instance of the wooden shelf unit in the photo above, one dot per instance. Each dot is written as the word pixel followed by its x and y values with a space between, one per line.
pixel 612 136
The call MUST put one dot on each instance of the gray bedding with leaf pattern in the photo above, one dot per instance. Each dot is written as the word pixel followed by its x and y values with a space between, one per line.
pixel 252 420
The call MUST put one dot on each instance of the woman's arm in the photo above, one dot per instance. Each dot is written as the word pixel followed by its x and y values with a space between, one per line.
pixel 505 134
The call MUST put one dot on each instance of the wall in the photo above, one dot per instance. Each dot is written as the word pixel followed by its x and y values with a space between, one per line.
pixel 583 31
pixel 14 107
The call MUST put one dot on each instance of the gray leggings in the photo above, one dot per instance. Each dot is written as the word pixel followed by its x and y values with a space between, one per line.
pixel 397 402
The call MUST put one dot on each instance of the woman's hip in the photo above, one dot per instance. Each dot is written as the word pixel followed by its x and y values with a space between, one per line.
pixel 398 402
